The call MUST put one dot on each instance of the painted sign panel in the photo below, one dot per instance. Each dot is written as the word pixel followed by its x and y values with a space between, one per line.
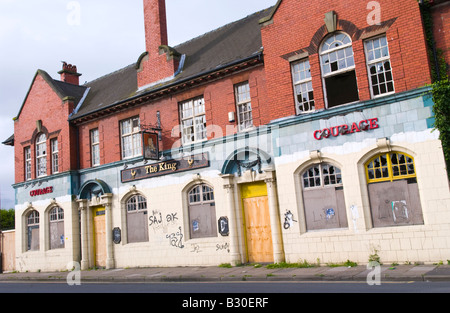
pixel 40 192
pixel 340 130
pixel 165 168
pixel 151 146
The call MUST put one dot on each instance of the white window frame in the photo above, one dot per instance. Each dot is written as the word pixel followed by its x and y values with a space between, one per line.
pixel 377 62
pixel 302 86
pixel 347 68
pixel 55 155
pixel 27 154
pixel 95 147
pixel 193 120
pixel 322 178
pixel 41 155
pixel 131 139
pixel 244 106
pixel 322 53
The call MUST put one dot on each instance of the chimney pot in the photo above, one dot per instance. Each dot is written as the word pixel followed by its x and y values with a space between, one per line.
pixel 69 74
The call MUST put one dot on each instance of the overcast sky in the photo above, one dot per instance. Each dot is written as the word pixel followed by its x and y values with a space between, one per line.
pixel 99 37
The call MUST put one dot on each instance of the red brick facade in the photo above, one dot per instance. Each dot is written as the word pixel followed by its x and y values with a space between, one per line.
pixel 219 100
pixel 45 107
pixel 286 34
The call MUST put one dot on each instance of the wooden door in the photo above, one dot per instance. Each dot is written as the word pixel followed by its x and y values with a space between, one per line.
pixel 100 237
pixel 257 223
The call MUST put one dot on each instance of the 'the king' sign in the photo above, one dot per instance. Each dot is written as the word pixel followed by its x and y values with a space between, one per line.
pixel 165 168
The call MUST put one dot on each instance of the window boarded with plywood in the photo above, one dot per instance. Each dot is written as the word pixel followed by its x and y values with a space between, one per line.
pixel 393 190
pixel 56 228
pixel 33 231
pixel 395 203
pixel 137 219
pixel 323 197
pixel 202 212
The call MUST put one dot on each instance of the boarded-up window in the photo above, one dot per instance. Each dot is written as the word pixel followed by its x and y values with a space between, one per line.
pixel 137 223
pixel 56 228
pixel 393 190
pixel 202 212
pixel 33 231
pixel 323 198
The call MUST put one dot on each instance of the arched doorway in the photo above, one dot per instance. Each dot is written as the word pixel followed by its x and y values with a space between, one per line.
pixel 250 181
pixel 94 202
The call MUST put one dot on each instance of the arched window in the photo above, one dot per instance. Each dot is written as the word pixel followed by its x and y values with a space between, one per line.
pixel 393 190
pixel 33 231
pixel 202 212
pixel 323 197
pixel 41 155
pixel 56 228
pixel 137 222
pixel 338 69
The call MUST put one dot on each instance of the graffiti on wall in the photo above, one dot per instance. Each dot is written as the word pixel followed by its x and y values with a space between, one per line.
pixel 223 247
pixel 157 222
pixel 288 219
pixel 399 211
pixel 195 248
pixel 176 239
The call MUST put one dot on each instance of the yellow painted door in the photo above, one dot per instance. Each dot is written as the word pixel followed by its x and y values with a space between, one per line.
pixel 100 237
pixel 257 223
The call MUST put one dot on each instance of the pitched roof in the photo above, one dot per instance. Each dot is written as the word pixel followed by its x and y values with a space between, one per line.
pixel 62 89
pixel 215 50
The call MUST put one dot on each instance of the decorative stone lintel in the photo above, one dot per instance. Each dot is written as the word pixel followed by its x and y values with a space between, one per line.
pixel 331 21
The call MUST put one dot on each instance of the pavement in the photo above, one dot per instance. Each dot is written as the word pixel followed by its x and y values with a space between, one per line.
pixel 384 273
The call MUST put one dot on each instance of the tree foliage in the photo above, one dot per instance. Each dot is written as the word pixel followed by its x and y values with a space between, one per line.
pixel 441 85
pixel 441 109
pixel 7 219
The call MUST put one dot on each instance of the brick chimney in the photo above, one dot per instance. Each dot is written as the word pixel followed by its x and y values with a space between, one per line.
pixel 69 74
pixel 160 61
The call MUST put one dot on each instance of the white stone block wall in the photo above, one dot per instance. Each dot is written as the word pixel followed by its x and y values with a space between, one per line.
pixel 428 243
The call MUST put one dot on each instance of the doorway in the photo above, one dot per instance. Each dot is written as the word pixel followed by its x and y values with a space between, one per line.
pixel 258 231
pixel 99 224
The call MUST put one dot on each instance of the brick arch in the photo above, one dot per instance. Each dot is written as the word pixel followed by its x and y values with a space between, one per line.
pixel 342 25
pixel 44 130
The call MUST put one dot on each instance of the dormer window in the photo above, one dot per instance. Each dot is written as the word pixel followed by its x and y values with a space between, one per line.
pixel 41 155
pixel 338 70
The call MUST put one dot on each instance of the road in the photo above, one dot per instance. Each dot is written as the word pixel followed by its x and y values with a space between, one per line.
pixel 229 287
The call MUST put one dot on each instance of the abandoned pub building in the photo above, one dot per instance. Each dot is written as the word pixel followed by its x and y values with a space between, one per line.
pixel 282 136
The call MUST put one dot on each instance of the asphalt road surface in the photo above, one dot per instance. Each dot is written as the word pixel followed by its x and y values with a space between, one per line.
pixel 229 287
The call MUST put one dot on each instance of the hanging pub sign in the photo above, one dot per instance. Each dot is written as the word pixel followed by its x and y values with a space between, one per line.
pixel 165 168
pixel 150 144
